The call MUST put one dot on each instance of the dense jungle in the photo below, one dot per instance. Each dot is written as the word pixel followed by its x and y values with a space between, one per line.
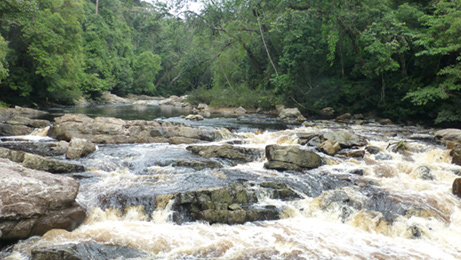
pixel 398 59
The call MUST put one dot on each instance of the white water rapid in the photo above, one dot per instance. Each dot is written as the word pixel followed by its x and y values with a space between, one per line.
pixel 400 206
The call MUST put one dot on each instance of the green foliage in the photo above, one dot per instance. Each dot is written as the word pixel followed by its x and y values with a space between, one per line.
pixel 3 62
pixel 145 67
pixel 400 59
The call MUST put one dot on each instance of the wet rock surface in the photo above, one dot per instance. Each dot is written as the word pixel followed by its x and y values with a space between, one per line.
pixel 456 156
pixel 85 251
pixel 79 147
pixel 290 158
pixel 456 188
pixel 34 202
pixel 227 151
pixel 111 130
pixel 233 204
pixel 37 162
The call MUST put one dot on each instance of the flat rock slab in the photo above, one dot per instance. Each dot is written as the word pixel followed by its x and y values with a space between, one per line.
pixel 111 130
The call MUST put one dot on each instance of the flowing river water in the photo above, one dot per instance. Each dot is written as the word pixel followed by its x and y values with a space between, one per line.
pixel 391 205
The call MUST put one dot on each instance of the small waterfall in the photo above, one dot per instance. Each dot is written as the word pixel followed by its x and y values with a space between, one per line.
pixel 41 132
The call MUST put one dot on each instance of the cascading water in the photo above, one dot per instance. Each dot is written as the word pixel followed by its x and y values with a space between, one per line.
pixel 395 204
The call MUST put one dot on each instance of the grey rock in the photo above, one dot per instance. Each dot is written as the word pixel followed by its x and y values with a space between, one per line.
pixel 289 113
pixel 34 202
pixel 291 158
pixel 38 162
pixel 373 149
pixel 85 251
pixel 345 139
pixel 383 157
pixel 424 173
pixel 227 151
pixel 115 131
pixel 79 147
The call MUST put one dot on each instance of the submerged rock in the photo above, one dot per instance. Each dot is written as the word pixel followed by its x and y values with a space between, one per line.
pixel 34 202
pixel 227 151
pixel 79 147
pixel 85 251
pixel 291 158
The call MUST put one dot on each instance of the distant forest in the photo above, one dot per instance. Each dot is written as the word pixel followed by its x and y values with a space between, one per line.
pixel 396 58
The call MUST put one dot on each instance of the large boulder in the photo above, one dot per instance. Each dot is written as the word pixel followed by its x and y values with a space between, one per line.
pixel 34 202
pixel 113 130
pixel 85 251
pixel 227 151
pixel 37 162
pixel 232 204
pixel 291 157
pixel 79 147
pixel 450 137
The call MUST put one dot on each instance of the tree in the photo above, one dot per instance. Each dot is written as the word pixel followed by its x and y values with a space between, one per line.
pixel 3 62
pixel 145 67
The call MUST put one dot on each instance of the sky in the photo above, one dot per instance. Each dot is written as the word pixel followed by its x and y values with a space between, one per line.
pixel 193 6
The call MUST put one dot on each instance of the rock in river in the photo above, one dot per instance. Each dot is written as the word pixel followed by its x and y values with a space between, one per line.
pixel 226 151
pixel 232 204
pixel 79 147
pixel 38 162
pixel 34 202
pixel 450 137
pixel 457 187
pixel 114 131
pixel 85 251
pixel 291 158
pixel 456 153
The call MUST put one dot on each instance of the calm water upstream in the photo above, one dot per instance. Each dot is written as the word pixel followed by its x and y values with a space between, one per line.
pixel 400 206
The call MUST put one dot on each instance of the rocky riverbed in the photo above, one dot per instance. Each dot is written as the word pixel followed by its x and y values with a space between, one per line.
pixel 105 187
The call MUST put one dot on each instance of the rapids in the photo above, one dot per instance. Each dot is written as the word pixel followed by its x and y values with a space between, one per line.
pixel 392 206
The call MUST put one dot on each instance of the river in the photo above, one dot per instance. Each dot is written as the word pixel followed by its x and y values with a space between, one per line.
pixel 390 205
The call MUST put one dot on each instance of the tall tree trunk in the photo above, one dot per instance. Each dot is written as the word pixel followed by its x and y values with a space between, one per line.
pixel 97 6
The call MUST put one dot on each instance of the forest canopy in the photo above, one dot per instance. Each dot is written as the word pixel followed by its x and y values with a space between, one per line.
pixel 397 58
